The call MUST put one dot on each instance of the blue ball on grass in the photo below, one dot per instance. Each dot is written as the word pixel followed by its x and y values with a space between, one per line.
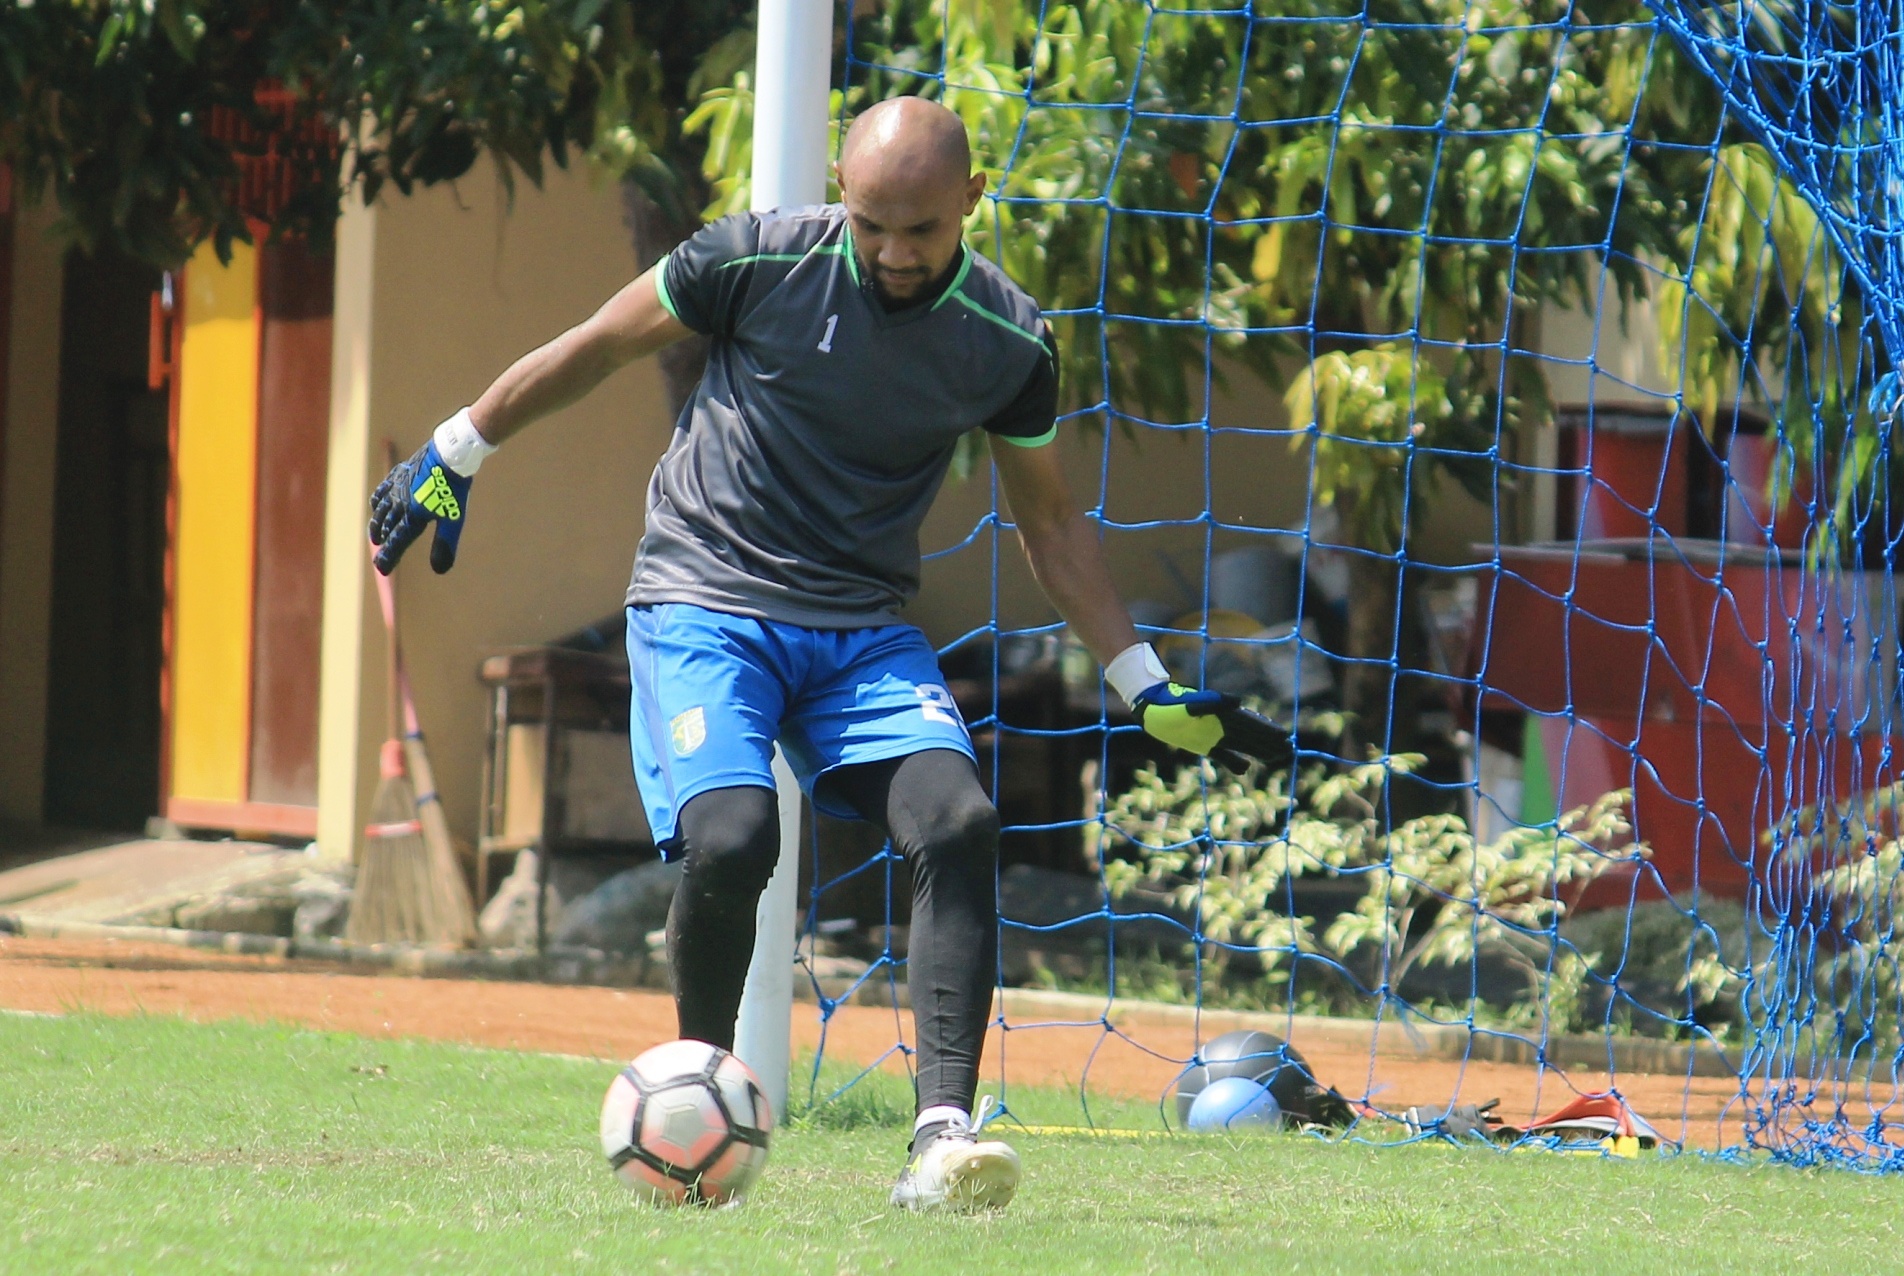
pixel 1235 1103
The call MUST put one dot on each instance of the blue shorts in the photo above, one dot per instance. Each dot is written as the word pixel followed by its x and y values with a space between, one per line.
pixel 713 692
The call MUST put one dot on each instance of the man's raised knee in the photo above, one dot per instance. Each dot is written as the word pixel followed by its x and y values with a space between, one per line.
pixel 732 838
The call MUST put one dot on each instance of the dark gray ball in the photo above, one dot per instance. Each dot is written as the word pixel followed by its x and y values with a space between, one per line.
pixel 1262 1057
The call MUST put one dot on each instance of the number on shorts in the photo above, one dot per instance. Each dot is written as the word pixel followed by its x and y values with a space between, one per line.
pixel 937 705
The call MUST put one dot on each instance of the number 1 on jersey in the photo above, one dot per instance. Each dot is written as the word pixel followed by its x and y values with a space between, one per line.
pixel 826 342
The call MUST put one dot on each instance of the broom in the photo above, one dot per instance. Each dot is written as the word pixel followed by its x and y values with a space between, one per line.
pixel 449 916
pixel 410 888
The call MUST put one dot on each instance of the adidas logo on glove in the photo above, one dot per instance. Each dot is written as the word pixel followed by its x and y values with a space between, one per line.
pixel 434 495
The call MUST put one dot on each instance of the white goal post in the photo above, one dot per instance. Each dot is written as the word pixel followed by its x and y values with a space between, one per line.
pixel 792 74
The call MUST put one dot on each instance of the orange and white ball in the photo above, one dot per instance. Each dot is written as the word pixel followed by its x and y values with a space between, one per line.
pixel 685 1123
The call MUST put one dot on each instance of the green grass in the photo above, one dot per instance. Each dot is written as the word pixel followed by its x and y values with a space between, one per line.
pixel 136 1145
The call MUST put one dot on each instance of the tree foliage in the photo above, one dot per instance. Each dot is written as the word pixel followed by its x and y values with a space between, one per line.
pixel 1320 200
pixel 1486 159
pixel 1764 315
pixel 111 103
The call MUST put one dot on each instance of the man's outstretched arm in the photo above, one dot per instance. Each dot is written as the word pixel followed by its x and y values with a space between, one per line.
pixel 1068 562
pixel 432 487
pixel 629 325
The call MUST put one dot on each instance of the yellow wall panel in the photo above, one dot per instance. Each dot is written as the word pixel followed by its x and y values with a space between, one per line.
pixel 214 549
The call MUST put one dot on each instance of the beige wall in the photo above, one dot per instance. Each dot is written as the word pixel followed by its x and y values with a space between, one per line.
pixel 1154 474
pixel 26 513
pixel 1261 481
pixel 348 673
pixel 1611 358
pixel 437 294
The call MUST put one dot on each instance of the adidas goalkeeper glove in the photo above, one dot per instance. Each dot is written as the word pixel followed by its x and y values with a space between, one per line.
pixel 1210 723
pixel 1457 1122
pixel 431 488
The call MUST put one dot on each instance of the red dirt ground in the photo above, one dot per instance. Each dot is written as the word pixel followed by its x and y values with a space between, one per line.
pixel 131 978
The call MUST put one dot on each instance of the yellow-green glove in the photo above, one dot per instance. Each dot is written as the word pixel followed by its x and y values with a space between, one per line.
pixel 1213 724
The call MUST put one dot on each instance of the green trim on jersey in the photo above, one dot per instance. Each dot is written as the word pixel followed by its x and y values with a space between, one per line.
pixel 1038 441
pixel 1002 322
pixel 852 258
pixel 753 257
pixel 661 289
pixel 818 250
pixel 965 265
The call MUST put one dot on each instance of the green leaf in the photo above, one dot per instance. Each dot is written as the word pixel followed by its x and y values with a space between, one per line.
pixel 109 37
pixel 182 26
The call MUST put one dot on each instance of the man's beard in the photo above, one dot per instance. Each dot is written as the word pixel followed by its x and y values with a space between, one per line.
pixel 890 298
pixel 927 286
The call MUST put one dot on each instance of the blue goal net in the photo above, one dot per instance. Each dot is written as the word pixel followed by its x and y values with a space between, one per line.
pixel 1499 393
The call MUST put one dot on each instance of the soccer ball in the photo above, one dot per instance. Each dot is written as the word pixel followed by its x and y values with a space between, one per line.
pixel 1262 1057
pixel 1234 1103
pixel 686 1123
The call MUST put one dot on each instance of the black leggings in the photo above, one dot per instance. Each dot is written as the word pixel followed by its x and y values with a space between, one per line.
pixel 931 806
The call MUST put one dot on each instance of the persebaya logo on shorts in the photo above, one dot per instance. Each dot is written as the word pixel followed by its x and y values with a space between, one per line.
pixel 689 730
pixel 434 495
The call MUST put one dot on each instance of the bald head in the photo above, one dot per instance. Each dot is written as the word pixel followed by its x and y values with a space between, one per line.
pixel 907 139
pixel 906 179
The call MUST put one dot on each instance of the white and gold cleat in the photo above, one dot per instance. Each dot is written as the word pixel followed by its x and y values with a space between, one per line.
pixel 952 1169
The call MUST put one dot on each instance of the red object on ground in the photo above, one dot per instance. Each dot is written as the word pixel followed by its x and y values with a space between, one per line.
pixel 1595 1111
pixel 1729 688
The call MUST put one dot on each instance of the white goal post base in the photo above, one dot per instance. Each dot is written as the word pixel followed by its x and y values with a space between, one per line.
pixel 763 1035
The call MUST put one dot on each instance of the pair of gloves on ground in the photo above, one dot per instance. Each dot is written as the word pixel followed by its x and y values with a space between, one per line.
pixel 432 488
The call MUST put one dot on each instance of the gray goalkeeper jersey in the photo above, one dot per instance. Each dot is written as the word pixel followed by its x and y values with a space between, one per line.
pixel 799 474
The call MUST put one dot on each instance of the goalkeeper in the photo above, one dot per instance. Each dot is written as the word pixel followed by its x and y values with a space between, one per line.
pixel 852 345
